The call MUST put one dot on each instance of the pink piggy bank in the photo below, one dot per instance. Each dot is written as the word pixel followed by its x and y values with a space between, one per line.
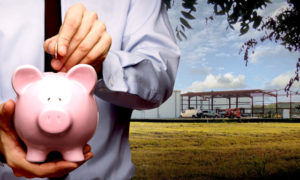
pixel 55 111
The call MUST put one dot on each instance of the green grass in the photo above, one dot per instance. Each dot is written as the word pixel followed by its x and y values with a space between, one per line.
pixel 216 150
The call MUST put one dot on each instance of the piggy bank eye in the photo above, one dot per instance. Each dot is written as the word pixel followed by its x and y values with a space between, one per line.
pixel 49 99
pixel 59 99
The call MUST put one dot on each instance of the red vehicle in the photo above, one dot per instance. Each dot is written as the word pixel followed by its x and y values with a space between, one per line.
pixel 233 113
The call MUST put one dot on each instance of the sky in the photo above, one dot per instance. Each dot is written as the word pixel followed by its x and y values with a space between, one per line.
pixel 210 58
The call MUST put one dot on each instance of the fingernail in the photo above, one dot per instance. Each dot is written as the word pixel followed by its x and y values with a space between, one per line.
pixel 63 69
pixel 3 108
pixel 88 158
pixel 49 49
pixel 62 50
pixel 56 63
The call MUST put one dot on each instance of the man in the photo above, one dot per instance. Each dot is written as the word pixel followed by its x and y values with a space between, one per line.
pixel 130 42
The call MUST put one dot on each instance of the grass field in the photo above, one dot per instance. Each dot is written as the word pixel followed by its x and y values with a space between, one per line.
pixel 216 150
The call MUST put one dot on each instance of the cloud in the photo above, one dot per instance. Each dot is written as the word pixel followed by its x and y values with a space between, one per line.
pixel 204 38
pixel 208 44
pixel 226 81
pixel 267 50
pixel 220 68
pixel 273 9
pixel 202 70
pixel 196 54
pixel 222 54
pixel 264 51
pixel 280 81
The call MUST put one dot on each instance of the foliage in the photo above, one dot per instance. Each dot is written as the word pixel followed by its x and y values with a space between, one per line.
pixel 186 15
pixel 284 28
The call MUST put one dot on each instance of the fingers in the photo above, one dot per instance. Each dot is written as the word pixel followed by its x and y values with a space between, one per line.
pixel 21 167
pixel 56 169
pixel 7 108
pixel 69 27
pixel 99 51
pixel 88 21
pixel 82 39
pixel 49 45
pixel 6 112
pixel 87 154
pixel 93 40
pixel 86 35
pixel 50 169
pixel 87 148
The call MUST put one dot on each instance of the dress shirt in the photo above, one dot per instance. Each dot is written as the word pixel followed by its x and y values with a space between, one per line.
pixel 138 72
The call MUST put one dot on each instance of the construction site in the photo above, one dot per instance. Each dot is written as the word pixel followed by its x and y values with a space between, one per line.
pixel 250 103
pixel 244 104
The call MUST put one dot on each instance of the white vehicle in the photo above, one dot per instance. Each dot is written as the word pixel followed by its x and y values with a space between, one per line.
pixel 189 113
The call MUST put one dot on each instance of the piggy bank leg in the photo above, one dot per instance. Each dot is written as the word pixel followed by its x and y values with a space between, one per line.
pixel 74 155
pixel 36 155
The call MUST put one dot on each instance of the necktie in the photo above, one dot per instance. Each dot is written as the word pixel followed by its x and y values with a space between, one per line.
pixel 52 25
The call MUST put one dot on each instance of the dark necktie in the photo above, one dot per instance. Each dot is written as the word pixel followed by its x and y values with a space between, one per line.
pixel 52 25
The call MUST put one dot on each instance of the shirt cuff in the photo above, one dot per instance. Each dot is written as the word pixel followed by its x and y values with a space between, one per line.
pixel 112 74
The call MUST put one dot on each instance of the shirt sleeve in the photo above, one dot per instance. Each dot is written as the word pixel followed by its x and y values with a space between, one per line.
pixel 141 75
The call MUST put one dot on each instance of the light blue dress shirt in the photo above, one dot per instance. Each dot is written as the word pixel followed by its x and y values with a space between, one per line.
pixel 138 73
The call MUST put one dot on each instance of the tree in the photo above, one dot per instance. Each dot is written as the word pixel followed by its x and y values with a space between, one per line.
pixel 283 29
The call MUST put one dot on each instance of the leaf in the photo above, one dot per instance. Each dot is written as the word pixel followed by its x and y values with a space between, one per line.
pixel 178 36
pixel 254 14
pixel 217 11
pixel 192 8
pixel 244 29
pixel 297 77
pixel 189 4
pixel 167 3
pixel 182 27
pixel 257 22
pixel 187 15
pixel 185 23
pixel 183 34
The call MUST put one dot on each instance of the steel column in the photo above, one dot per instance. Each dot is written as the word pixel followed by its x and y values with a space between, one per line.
pixel 263 105
pixel 276 104
pixel 252 106
pixel 290 104
pixel 212 103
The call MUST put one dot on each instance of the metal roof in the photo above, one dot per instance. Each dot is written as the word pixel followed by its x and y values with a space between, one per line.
pixel 232 93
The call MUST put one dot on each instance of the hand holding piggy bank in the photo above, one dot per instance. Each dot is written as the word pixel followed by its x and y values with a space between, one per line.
pixel 55 111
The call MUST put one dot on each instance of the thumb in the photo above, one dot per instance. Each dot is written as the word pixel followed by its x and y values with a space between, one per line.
pixel 6 112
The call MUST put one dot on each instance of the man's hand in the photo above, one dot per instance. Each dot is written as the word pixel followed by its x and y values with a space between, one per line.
pixel 82 39
pixel 15 155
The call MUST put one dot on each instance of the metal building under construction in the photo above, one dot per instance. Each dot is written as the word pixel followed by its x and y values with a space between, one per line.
pixel 256 102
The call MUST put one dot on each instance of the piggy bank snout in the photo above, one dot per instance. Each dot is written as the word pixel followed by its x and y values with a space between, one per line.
pixel 54 121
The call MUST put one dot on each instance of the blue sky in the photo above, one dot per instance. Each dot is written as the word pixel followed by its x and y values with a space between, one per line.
pixel 211 61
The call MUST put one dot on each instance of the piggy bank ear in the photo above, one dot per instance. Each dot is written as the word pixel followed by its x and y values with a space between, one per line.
pixel 23 76
pixel 84 74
